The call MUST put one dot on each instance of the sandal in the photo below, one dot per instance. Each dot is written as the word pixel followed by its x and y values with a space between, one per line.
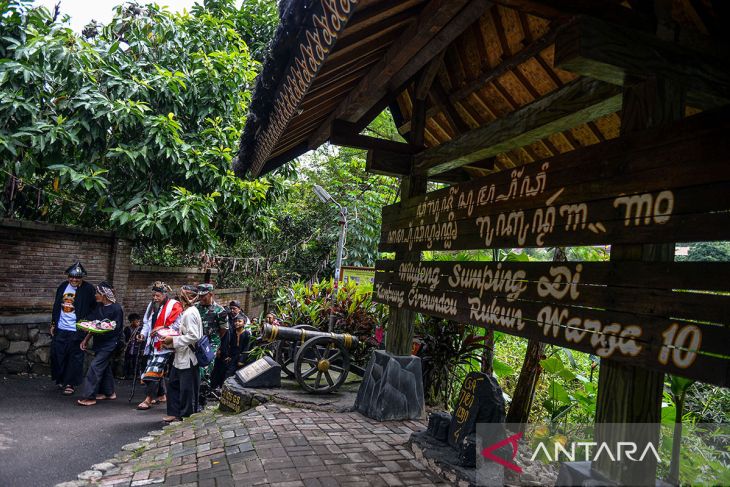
pixel 170 419
pixel 162 399
pixel 68 390
pixel 102 397
pixel 144 406
pixel 86 402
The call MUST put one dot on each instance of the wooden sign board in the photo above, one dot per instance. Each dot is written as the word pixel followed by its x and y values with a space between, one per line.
pixel 632 312
pixel 663 185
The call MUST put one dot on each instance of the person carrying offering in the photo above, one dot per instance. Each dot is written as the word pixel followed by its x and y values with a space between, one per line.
pixel 74 301
pixel 182 400
pixel 99 382
pixel 162 314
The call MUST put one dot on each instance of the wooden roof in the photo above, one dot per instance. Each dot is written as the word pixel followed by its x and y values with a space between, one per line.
pixel 466 64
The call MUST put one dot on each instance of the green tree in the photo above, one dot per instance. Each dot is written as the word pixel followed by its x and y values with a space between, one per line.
pixel 707 251
pixel 306 230
pixel 131 126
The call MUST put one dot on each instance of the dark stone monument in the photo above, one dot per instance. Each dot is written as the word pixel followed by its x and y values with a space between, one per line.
pixel 236 399
pixel 480 401
pixel 392 388
pixel 449 446
pixel 264 372
pixel 468 451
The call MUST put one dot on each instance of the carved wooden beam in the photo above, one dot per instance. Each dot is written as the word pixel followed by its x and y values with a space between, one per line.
pixel 611 53
pixel 578 102
pixel 344 134
pixel 386 163
pixel 327 22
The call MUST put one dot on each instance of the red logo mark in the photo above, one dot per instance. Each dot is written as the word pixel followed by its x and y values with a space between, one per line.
pixel 512 440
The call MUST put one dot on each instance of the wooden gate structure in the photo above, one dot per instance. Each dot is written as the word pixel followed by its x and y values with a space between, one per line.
pixel 556 123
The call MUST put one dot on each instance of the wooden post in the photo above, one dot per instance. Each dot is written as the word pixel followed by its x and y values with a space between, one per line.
pixel 519 409
pixel 632 394
pixel 488 352
pixel 399 336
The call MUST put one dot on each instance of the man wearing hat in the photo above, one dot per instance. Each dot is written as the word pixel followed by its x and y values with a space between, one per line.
pixel 75 300
pixel 215 324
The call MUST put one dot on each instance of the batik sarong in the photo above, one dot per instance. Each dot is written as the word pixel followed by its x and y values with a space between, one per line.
pixel 156 367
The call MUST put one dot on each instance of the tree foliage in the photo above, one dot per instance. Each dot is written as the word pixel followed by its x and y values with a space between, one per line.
pixel 131 125
pixel 306 230
pixel 707 252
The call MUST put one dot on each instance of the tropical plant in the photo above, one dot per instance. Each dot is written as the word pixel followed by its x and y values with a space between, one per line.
pixel 354 309
pixel 449 350
pixel 567 389
pixel 132 125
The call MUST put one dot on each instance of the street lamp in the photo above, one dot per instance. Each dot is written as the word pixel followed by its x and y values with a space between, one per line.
pixel 325 197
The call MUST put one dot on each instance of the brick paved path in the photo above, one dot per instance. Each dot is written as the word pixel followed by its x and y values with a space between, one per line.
pixel 271 445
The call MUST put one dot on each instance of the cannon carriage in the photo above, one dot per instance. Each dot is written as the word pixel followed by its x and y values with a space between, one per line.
pixel 319 361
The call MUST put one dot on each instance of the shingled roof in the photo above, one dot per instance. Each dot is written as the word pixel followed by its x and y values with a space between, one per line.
pixel 467 64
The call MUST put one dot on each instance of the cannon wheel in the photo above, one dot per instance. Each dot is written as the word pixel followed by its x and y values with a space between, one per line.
pixel 286 352
pixel 321 365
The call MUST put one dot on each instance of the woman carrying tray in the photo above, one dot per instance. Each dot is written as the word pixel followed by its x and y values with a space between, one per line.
pixel 184 384
pixel 99 382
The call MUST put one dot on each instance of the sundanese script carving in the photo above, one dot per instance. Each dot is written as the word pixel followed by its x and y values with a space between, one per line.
pixel 495 295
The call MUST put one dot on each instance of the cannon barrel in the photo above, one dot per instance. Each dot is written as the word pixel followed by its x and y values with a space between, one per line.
pixel 275 332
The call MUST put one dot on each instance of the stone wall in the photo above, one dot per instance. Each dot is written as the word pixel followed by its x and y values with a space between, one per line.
pixel 25 342
pixel 141 278
pixel 139 291
pixel 252 306
pixel 34 257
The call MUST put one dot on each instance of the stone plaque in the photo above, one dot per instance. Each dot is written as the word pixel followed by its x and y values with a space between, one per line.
pixel 480 400
pixel 264 372
pixel 230 401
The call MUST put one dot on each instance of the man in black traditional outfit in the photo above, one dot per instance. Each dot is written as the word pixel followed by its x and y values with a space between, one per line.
pixel 75 300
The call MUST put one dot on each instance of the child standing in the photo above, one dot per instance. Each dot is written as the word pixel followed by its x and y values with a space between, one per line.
pixel 238 346
pixel 133 346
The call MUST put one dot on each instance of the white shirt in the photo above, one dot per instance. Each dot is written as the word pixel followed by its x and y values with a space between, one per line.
pixel 67 320
pixel 191 330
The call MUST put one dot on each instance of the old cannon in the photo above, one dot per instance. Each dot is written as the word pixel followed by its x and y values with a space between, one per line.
pixel 320 361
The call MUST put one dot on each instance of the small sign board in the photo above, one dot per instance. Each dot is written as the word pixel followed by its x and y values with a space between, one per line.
pixel 264 372
pixel 358 275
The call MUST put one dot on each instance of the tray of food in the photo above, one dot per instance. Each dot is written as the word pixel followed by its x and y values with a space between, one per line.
pixel 96 326
pixel 166 332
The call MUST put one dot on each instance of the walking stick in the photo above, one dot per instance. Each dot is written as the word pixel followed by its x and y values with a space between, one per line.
pixel 136 369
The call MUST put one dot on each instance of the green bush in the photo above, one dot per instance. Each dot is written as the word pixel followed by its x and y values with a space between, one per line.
pixel 355 311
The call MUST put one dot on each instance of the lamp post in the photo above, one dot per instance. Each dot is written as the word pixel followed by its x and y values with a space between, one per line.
pixel 325 197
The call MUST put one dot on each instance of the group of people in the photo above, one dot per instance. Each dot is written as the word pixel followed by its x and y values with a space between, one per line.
pixel 166 335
